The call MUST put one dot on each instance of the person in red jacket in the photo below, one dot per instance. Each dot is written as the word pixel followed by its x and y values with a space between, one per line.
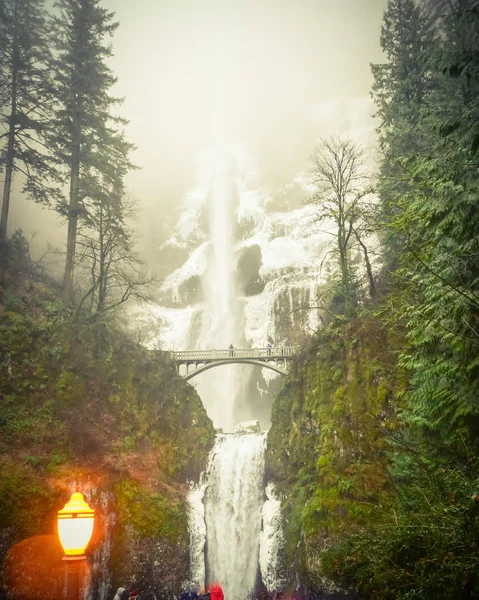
pixel 216 592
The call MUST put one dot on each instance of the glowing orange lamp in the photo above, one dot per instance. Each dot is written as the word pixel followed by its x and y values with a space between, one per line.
pixel 75 526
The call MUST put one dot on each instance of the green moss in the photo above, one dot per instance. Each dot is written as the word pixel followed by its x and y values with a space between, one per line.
pixel 327 451
pixel 27 502
pixel 69 387
pixel 56 460
pixel 294 510
pixel 322 461
pixel 151 514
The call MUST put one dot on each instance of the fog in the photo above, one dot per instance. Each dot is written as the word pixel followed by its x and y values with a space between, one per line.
pixel 284 72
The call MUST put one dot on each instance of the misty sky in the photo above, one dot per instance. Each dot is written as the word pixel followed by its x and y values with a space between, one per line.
pixel 288 71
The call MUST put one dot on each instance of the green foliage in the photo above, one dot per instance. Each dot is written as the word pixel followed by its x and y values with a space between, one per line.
pixel 68 388
pixel 24 101
pixel 83 82
pixel 26 500
pixel 424 544
pixel 88 141
pixel 121 416
pixel 127 398
pixel 151 514
pixel 433 211
pixel 19 254
pixel 426 548
pixel 399 89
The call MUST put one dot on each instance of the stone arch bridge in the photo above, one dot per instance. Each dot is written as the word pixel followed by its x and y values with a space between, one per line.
pixel 198 361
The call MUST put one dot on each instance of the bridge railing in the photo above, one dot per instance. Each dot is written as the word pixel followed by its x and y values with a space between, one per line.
pixel 198 355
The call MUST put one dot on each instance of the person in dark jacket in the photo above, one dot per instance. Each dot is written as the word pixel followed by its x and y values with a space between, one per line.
pixel 204 596
pixel 189 595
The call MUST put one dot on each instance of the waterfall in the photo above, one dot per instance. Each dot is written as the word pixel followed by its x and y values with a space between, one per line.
pixel 227 508
pixel 233 505
pixel 221 315
pixel 231 524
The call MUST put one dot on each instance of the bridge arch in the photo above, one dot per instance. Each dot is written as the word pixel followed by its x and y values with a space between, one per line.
pixel 270 357
pixel 211 365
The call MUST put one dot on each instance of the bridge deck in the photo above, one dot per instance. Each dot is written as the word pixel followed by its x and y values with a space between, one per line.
pixel 282 352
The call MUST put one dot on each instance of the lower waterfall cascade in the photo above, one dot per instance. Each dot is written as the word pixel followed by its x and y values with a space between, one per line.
pixel 234 521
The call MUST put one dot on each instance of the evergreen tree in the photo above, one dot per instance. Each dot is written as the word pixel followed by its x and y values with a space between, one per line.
pixel 428 546
pixel 437 10
pixel 400 86
pixel 440 222
pixel 24 102
pixel 427 99
pixel 88 140
pixel 401 83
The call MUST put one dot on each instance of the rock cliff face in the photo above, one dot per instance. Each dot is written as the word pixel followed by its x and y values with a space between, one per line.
pixel 111 422
pixel 328 445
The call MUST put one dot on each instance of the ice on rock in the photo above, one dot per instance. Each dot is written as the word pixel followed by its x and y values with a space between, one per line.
pixel 271 541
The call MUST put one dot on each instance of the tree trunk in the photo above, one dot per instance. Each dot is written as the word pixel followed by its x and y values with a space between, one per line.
pixel 345 275
pixel 8 181
pixel 369 271
pixel 72 226
pixel 10 156
pixel 74 201
pixel 101 267
pixel 9 164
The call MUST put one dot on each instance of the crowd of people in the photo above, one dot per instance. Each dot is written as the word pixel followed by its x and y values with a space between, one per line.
pixel 214 592
pixel 122 594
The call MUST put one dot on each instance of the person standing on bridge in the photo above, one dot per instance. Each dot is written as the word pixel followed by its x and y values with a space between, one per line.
pixel 269 346
pixel 232 350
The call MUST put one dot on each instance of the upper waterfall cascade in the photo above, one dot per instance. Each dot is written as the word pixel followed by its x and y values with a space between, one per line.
pixel 248 275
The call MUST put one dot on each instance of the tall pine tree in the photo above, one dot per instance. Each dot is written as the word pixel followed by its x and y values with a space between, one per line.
pixel 427 99
pixel 88 138
pixel 25 102
pixel 400 87
pixel 441 221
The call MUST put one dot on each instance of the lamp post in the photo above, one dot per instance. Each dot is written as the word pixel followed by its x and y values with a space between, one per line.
pixel 75 528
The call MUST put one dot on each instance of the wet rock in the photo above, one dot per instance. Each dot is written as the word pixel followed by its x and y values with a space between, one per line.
pixel 248 427
pixel 155 567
